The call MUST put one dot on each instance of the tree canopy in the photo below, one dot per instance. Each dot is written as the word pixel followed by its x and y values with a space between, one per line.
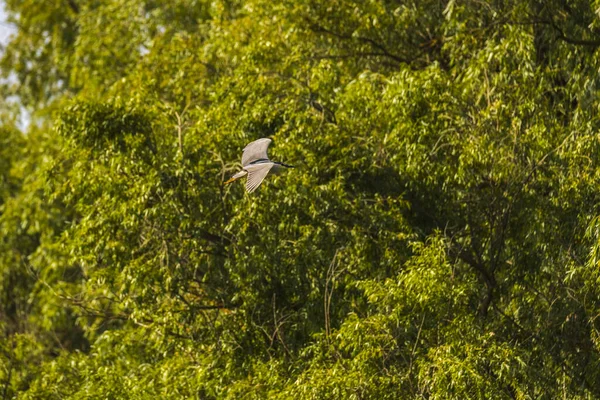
pixel 439 238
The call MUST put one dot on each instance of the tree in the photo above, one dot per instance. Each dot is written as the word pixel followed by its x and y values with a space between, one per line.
pixel 438 238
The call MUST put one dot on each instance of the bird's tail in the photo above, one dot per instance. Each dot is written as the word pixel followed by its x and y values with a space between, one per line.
pixel 236 177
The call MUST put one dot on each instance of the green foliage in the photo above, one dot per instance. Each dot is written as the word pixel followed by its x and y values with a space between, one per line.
pixel 439 238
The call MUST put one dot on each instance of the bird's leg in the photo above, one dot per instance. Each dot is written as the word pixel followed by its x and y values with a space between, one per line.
pixel 237 176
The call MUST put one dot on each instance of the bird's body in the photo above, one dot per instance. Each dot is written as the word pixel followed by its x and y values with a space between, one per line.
pixel 256 164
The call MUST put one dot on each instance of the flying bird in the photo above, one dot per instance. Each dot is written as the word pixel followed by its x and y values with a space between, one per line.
pixel 256 164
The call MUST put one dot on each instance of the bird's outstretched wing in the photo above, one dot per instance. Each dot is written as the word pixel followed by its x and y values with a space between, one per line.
pixel 256 174
pixel 256 150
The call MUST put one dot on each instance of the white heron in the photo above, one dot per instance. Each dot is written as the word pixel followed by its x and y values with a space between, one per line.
pixel 256 164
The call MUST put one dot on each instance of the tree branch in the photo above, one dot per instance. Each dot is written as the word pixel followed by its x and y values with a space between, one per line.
pixel 73 6
pixel 384 51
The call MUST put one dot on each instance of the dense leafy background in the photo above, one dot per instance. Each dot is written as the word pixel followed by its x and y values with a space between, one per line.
pixel 439 239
